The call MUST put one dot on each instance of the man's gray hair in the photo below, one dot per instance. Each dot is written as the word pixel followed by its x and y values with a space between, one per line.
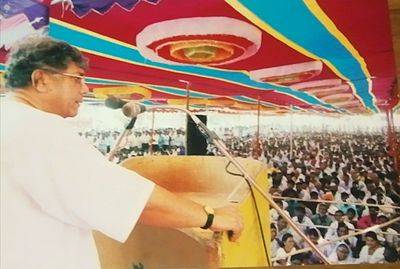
pixel 35 53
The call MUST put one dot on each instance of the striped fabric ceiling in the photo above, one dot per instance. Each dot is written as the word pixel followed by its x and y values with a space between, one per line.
pixel 313 55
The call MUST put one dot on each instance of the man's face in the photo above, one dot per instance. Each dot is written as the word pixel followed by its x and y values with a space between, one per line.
pixel 66 92
pixel 339 216
pixel 300 215
pixel 282 224
pixel 314 239
pixel 342 231
pixel 350 214
pixel 373 211
pixel 322 209
pixel 273 233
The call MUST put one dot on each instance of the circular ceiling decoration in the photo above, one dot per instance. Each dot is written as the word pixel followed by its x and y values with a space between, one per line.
pixel 287 74
pixel 338 98
pixel 200 40
pixel 348 104
pixel 324 83
pixel 324 91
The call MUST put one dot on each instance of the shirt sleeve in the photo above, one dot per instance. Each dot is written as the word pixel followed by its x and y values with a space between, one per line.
pixel 103 195
pixel 67 179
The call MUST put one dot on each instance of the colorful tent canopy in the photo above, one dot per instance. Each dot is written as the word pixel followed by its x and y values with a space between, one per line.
pixel 322 56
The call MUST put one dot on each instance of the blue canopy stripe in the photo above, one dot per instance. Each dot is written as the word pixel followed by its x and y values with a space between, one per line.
pixel 299 31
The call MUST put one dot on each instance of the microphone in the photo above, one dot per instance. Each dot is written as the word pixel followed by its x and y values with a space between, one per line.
pixel 130 109
pixel 114 102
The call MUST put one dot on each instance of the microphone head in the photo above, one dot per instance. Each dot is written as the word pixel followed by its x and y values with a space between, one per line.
pixel 114 102
pixel 132 109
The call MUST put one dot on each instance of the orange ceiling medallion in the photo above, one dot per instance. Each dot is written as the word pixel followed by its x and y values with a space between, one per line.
pixel 201 51
pixel 287 74
pixel 199 40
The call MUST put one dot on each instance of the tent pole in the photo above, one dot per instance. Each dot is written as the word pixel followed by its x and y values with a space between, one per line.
pixel 258 149
pixel 391 139
pixel 187 84
pixel 152 132
pixel 291 133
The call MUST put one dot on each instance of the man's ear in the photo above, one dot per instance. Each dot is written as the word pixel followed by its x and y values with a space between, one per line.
pixel 40 81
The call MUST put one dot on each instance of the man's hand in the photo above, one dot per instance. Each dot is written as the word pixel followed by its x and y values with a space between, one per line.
pixel 228 219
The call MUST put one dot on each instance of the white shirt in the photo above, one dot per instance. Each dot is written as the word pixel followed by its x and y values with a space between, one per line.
pixel 376 257
pixel 274 247
pixel 391 238
pixel 305 224
pixel 55 189
pixel 281 253
pixel 332 230
pixel 274 214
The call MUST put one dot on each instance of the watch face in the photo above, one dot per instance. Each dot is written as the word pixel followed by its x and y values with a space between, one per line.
pixel 209 210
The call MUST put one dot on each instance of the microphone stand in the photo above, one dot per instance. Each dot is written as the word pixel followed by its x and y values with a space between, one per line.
pixel 213 138
pixel 128 130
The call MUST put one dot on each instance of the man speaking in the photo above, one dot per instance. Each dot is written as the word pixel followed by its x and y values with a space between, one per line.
pixel 55 188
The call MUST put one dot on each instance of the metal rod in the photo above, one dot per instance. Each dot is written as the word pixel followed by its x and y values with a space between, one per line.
pixel 334 202
pixel 152 132
pixel 291 133
pixel 257 146
pixel 327 227
pixel 391 138
pixel 127 131
pixel 187 84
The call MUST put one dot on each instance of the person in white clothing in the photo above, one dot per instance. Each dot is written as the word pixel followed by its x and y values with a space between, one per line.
pixel 274 240
pixel 341 255
pixel 288 247
pixel 55 187
pixel 274 214
pixel 343 230
pixel 372 252
pixel 332 231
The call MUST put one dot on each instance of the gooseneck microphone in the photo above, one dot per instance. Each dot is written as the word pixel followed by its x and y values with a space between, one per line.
pixel 114 102
pixel 130 108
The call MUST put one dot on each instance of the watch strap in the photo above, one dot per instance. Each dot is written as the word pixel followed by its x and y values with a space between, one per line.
pixel 209 222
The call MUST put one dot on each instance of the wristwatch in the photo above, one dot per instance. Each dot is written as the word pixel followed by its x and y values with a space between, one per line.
pixel 210 216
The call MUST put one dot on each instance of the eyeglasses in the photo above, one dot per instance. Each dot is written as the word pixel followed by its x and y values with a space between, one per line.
pixel 78 78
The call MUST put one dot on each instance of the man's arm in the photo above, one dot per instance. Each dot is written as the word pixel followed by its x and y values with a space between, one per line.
pixel 166 209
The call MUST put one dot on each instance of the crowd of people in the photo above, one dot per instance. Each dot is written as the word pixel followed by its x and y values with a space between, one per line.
pixel 332 185
pixel 166 141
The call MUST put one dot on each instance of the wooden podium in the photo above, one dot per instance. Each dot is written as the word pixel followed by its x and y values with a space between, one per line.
pixel 204 180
